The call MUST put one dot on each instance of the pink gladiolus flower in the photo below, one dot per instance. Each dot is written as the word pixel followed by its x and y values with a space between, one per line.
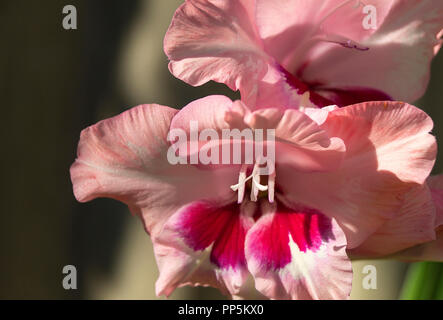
pixel 274 51
pixel 339 177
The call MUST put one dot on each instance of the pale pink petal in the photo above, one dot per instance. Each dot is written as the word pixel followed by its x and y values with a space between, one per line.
pixel 430 251
pixel 439 42
pixel 275 51
pixel 401 49
pixel 203 244
pixel 388 151
pixel 398 134
pixel 125 158
pixel 301 142
pixel 419 217
pixel 180 266
pixel 278 88
pixel 205 122
pixel 413 224
pixel 209 112
pixel 307 29
pixel 435 184
pixel 319 115
pixel 298 254
pixel 291 28
pixel 215 40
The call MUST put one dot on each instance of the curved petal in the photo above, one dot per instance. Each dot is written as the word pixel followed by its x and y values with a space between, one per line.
pixel 300 21
pixel 203 244
pixel 401 49
pixel 319 115
pixel 435 184
pixel 398 133
pixel 209 112
pixel 238 43
pixel 413 225
pixel 215 40
pixel 430 251
pixel 301 142
pixel 125 158
pixel 388 151
pixel 291 126
pixel 206 122
pixel 298 254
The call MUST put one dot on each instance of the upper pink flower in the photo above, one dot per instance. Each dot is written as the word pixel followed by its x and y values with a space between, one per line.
pixel 273 51
pixel 338 179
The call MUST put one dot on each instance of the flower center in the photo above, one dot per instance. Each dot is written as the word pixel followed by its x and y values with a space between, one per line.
pixel 255 185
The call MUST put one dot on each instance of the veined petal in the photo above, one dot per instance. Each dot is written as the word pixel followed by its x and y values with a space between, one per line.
pixel 435 184
pixel 401 48
pixel 300 21
pixel 300 141
pixel 298 254
pixel 291 126
pixel 413 225
pixel 209 112
pixel 388 152
pixel 203 244
pixel 396 133
pixel 420 216
pixel 215 40
pixel 429 251
pixel 125 158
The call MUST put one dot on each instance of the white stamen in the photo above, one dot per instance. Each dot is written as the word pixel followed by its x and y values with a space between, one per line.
pixel 240 186
pixel 242 179
pixel 271 187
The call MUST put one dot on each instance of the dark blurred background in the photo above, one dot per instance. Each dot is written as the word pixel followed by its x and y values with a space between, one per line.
pixel 55 82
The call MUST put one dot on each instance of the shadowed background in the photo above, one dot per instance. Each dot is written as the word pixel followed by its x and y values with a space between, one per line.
pixel 54 83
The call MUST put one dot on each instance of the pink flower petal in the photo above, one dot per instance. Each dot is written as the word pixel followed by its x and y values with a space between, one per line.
pixel 299 21
pixel 125 158
pixel 215 40
pixel 414 224
pixel 430 251
pixel 435 184
pixel 398 133
pixel 401 49
pixel 301 142
pixel 414 227
pixel 275 51
pixel 388 151
pixel 208 236
pixel 298 254
pixel 209 112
